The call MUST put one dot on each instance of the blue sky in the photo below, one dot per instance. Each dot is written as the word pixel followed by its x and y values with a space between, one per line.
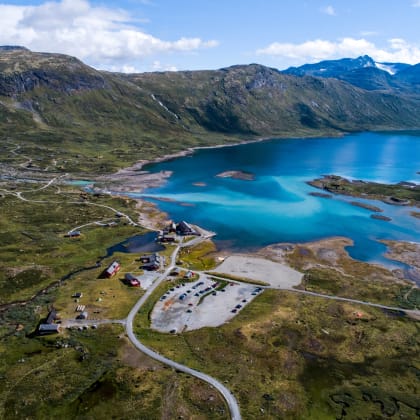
pixel 149 35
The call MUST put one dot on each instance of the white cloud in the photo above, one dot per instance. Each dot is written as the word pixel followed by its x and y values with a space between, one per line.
pixel 329 10
pixel 158 66
pixel 397 50
pixel 416 3
pixel 99 35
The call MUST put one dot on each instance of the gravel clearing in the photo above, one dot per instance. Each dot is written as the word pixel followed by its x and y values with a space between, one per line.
pixel 278 276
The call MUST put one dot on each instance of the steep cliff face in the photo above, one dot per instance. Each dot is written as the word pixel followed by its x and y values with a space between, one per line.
pixel 257 100
pixel 17 83
pixel 23 71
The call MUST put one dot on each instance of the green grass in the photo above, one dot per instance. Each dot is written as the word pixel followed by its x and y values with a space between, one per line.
pixel 77 374
pixel 331 282
pixel 199 257
pixel 35 252
pixel 295 357
pixel 95 374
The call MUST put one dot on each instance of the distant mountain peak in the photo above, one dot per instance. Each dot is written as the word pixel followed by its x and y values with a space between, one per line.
pixel 363 72
pixel 365 60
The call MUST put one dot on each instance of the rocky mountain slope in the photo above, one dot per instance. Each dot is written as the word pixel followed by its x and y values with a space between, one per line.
pixel 109 119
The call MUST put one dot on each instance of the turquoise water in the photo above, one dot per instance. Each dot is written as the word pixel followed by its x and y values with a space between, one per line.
pixel 276 207
pixel 79 182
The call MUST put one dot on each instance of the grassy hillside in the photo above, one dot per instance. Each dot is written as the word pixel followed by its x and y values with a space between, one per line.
pixel 51 103
pixel 256 100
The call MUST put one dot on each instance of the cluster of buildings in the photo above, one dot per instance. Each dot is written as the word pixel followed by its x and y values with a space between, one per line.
pixel 49 326
pixel 173 229
pixel 149 262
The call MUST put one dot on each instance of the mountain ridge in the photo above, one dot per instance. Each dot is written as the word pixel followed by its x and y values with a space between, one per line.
pixel 57 100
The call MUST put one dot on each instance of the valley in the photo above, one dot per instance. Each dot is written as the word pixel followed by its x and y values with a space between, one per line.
pixel 319 333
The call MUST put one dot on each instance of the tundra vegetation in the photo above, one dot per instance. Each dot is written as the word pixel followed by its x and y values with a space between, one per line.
pixel 285 355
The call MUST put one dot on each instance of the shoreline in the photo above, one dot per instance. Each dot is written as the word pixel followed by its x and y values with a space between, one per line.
pixel 136 179
pixel 191 150
pixel 137 169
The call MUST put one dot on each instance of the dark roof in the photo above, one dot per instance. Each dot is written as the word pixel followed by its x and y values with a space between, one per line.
pixel 184 227
pixel 48 328
pixel 52 316
pixel 83 315
pixel 152 258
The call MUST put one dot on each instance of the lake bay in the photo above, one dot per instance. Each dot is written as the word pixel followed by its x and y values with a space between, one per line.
pixel 276 205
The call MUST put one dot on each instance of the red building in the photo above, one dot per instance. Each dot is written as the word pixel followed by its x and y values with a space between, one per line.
pixel 112 269
pixel 132 280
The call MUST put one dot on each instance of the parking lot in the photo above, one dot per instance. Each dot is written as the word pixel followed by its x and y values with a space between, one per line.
pixel 147 278
pixel 203 303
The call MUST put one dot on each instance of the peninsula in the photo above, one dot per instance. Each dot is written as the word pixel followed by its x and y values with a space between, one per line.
pixel 401 194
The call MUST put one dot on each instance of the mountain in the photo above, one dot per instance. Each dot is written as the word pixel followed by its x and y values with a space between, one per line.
pixel 55 103
pixel 257 100
pixel 365 73
pixel 332 68
pixel 410 75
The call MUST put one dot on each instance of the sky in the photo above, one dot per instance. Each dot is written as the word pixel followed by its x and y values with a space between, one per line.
pixel 161 35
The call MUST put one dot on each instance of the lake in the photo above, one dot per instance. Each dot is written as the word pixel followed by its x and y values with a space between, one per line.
pixel 276 206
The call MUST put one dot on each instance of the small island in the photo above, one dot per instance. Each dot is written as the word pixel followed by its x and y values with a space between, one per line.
pixel 380 217
pixel 242 175
pixel 401 194
pixel 366 206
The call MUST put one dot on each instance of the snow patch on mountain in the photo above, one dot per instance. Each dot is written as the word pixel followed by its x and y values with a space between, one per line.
pixel 386 67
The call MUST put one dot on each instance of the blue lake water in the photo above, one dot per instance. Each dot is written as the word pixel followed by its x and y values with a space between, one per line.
pixel 276 206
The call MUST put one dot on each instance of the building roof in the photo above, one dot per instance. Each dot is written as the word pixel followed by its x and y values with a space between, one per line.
pixel 113 267
pixel 48 328
pixel 184 227
pixel 52 316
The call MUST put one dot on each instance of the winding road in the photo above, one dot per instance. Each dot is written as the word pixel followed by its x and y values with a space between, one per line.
pixel 228 396
pixel 128 322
